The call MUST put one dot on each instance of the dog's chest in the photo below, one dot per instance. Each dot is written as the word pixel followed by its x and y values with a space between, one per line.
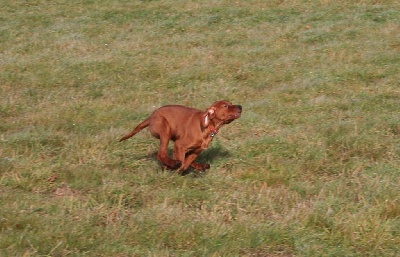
pixel 206 142
pixel 201 144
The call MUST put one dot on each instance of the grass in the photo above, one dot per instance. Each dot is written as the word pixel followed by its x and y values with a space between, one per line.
pixel 311 169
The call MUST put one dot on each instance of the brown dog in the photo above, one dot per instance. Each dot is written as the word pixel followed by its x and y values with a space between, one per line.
pixel 192 131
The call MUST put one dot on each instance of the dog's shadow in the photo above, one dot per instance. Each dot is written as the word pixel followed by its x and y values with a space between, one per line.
pixel 215 152
pixel 208 156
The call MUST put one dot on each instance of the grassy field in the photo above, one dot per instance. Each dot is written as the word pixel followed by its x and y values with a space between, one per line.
pixel 311 169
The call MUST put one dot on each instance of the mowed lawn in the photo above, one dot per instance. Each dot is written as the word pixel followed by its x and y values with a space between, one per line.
pixel 312 168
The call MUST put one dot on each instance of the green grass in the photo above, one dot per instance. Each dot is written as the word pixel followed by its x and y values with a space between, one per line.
pixel 310 169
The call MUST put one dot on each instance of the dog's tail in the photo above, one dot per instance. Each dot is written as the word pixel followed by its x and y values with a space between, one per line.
pixel 138 128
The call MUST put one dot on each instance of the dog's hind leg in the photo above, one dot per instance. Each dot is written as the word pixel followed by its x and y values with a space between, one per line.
pixel 165 137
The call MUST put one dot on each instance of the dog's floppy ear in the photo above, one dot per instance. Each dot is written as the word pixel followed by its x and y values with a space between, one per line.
pixel 207 116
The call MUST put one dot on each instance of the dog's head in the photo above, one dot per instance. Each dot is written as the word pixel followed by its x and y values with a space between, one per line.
pixel 222 112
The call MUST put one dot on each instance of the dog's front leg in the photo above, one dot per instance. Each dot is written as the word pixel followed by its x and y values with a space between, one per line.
pixel 186 158
pixel 188 161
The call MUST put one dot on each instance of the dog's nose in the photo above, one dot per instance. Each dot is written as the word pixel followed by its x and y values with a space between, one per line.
pixel 239 106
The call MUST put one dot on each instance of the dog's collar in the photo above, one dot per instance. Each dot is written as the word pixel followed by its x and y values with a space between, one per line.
pixel 214 131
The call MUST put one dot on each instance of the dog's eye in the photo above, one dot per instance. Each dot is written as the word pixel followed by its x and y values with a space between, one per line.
pixel 225 106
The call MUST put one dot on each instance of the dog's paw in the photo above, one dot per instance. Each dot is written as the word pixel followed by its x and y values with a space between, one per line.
pixel 206 166
pixel 176 164
pixel 172 165
pixel 165 167
pixel 200 167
